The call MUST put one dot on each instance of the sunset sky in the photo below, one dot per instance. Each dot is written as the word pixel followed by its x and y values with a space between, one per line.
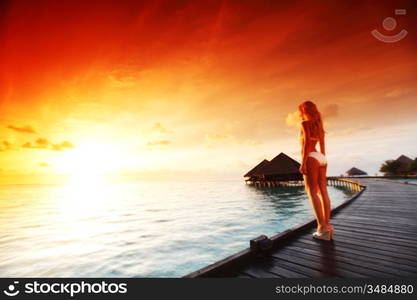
pixel 199 87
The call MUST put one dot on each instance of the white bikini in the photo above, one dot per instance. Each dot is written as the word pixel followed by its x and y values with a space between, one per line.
pixel 320 157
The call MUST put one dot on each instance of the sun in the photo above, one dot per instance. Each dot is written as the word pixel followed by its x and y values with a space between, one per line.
pixel 91 160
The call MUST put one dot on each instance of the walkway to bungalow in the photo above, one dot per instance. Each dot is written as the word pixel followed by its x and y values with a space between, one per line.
pixel 375 236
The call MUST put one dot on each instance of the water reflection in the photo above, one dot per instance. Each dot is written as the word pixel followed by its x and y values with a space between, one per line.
pixel 290 203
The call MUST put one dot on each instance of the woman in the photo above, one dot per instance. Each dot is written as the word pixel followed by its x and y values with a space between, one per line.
pixel 314 167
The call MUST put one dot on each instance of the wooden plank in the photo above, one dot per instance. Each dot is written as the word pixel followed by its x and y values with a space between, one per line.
pixel 376 261
pixel 352 262
pixel 374 247
pixel 300 268
pixel 328 267
pixel 406 225
pixel 243 275
pixel 333 264
pixel 276 270
pixel 257 271
pixel 408 231
pixel 392 240
pixel 362 252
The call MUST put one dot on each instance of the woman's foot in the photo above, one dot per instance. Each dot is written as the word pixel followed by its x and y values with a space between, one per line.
pixel 324 234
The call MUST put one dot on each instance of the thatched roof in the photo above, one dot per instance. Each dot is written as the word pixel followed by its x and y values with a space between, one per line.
pixel 404 160
pixel 356 171
pixel 404 163
pixel 281 164
pixel 257 168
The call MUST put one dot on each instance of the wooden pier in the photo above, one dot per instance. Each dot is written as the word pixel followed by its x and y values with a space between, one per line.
pixel 332 181
pixel 375 236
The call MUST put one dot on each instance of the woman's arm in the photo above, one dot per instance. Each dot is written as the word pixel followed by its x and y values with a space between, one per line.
pixel 306 135
pixel 322 144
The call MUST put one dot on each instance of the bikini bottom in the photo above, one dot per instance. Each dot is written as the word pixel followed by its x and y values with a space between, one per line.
pixel 320 157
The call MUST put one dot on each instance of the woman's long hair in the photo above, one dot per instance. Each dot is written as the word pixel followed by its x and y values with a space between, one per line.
pixel 309 111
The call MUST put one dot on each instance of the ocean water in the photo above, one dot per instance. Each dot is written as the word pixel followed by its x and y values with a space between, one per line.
pixel 143 229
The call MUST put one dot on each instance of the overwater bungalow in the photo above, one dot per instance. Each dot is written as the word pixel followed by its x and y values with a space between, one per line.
pixel 257 170
pixel 281 169
pixel 355 172
pixel 404 163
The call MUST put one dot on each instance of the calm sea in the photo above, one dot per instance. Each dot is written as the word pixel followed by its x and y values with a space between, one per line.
pixel 143 229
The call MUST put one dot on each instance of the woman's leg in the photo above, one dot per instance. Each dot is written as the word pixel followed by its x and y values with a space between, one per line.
pixel 312 188
pixel 322 180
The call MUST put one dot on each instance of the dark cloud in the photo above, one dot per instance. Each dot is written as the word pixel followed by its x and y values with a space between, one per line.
pixel 43 143
pixel 22 129
pixel 40 143
pixel 159 143
pixel 5 145
pixel 62 146
pixel 27 145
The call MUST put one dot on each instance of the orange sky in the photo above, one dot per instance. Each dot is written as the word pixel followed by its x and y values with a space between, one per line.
pixel 202 87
